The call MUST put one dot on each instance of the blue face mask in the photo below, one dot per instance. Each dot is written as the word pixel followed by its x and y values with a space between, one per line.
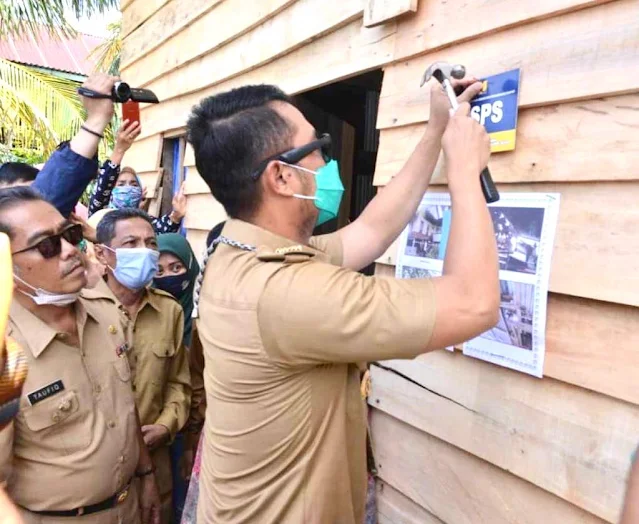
pixel 175 285
pixel 125 197
pixel 329 192
pixel 135 267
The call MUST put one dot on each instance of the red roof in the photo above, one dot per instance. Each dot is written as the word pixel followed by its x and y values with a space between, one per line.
pixel 43 50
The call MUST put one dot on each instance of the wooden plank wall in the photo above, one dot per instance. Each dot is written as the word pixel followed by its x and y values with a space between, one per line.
pixel 458 440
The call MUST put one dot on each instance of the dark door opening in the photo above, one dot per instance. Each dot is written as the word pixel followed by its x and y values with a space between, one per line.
pixel 348 111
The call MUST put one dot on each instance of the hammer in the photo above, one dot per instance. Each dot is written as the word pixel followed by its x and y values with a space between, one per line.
pixel 443 72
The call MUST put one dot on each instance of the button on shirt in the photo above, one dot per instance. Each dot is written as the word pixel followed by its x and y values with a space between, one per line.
pixel 74 441
pixel 282 330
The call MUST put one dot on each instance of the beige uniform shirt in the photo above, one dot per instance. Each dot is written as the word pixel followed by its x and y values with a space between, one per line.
pixel 282 329
pixel 160 370
pixel 75 440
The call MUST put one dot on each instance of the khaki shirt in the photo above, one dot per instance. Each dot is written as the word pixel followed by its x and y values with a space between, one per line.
pixel 75 440
pixel 282 329
pixel 160 370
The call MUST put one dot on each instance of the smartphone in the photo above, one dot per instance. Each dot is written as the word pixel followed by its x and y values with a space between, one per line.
pixel 131 111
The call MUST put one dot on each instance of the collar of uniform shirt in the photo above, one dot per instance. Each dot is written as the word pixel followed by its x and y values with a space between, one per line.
pixel 36 333
pixel 247 233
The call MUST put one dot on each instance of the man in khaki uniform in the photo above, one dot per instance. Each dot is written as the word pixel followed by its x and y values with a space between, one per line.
pixel 161 380
pixel 75 446
pixel 283 325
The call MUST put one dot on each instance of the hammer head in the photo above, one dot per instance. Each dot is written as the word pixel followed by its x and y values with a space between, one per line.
pixel 443 70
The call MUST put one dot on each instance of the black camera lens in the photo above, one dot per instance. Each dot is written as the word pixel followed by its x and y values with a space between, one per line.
pixel 121 92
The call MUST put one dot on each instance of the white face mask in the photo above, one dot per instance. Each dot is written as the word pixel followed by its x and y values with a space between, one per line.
pixel 45 298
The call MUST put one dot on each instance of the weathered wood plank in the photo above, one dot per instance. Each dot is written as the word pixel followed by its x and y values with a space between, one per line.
pixel 150 182
pixel 458 487
pixel 569 57
pixel 145 154
pixel 378 12
pixel 554 144
pixel 338 55
pixel 222 22
pixel 195 185
pixel 395 508
pixel 203 212
pixel 189 156
pixel 596 252
pixel 569 441
pixel 591 344
pixel 438 24
pixel 137 12
pixel 289 30
pixel 159 28
pixel 197 239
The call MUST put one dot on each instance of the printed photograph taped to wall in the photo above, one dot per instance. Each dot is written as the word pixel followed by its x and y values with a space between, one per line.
pixel 425 232
pixel 518 233
pixel 515 325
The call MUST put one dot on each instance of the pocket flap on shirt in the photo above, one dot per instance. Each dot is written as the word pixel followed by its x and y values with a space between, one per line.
pixel 51 411
pixel 164 349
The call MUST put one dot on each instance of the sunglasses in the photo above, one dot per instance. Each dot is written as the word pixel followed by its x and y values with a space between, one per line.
pixel 323 143
pixel 52 246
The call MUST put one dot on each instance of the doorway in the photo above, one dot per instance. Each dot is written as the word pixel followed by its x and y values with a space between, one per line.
pixel 348 111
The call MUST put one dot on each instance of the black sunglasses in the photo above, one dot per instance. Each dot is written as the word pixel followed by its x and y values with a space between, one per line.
pixel 323 143
pixel 52 246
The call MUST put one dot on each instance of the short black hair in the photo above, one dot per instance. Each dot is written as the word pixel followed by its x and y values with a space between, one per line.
pixel 231 133
pixel 13 172
pixel 105 231
pixel 12 197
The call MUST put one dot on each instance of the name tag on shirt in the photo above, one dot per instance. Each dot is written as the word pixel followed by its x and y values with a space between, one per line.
pixel 45 392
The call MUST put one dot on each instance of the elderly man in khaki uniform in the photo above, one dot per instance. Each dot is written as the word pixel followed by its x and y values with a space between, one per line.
pixel 284 318
pixel 75 447
pixel 127 246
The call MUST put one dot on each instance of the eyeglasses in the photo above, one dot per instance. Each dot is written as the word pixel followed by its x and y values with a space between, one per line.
pixel 323 143
pixel 52 246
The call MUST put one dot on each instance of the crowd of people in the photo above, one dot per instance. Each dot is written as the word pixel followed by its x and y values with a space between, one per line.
pixel 240 377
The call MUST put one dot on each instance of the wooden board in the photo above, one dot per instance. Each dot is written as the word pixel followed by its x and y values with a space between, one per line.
pixel 224 22
pixel 381 11
pixel 197 239
pixel 458 487
pixel 438 24
pixel 203 212
pixel 596 252
pixel 151 180
pixel 275 37
pixel 575 352
pixel 145 154
pixel 569 441
pixel 166 22
pixel 195 185
pixel 554 144
pixel 573 56
pixel 137 12
pixel 342 53
pixel 394 508
pixel 189 156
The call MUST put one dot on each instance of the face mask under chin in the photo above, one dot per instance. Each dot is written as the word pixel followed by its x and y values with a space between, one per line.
pixel 43 297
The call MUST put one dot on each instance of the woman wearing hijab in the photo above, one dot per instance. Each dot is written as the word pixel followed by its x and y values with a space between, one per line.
pixel 177 273
pixel 118 189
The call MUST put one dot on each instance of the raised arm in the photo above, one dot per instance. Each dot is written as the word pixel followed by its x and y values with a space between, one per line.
pixel 71 168
pixel 389 212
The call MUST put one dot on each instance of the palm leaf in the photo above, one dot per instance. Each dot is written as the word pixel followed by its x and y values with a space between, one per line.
pixel 22 16
pixel 108 53
pixel 38 109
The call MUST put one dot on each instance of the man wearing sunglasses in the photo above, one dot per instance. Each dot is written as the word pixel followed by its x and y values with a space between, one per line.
pixel 128 248
pixel 285 318
pixel 75 447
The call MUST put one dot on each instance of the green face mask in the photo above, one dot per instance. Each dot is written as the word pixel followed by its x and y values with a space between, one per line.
pixel 329 192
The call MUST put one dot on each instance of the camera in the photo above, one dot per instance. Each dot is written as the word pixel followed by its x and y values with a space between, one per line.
pixel 122 92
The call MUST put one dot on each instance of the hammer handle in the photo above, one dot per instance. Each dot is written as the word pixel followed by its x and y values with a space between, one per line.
pixel 487 185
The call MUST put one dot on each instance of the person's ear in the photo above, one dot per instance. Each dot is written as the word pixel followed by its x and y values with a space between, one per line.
pixel 277 179
pixel 100 254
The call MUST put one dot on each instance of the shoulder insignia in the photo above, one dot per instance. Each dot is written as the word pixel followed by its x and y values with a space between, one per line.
pixel 290 254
